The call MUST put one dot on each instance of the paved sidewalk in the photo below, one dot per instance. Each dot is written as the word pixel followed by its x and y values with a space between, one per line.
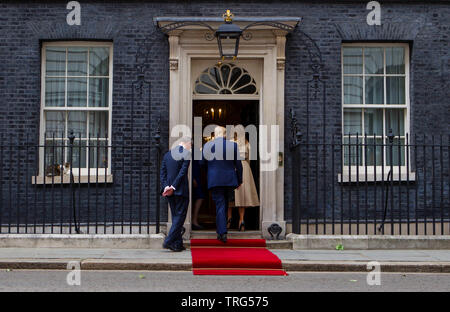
pixel 293 260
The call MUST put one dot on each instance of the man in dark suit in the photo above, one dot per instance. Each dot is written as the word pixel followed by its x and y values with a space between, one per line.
pixel 175 187
pixel 224 173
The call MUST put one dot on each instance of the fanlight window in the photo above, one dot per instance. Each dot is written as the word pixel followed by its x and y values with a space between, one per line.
pixel 225 79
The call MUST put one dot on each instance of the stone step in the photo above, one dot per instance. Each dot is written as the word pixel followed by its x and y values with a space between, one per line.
pixel 231 234
pixel 271 244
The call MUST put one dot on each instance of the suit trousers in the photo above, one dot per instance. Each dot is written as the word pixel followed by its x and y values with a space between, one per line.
pixel 221 195
pixel 178 209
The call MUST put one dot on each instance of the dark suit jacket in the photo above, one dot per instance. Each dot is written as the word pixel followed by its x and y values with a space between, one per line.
pixel 222 171
pixel 174 171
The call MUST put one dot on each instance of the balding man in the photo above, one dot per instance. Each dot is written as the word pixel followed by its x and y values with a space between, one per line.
pixel 224 173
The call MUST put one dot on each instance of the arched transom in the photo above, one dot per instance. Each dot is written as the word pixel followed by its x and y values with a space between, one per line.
pixel 225 79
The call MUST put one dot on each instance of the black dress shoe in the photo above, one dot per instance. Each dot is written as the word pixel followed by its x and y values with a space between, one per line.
pixel 222 237
pixel 173 248
pixel 177 249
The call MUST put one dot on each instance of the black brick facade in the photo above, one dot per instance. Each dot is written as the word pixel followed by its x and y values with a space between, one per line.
pixel 425 25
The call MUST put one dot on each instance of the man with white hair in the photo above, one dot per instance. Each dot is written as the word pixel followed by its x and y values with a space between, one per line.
pixel 175 187
pixel 224 174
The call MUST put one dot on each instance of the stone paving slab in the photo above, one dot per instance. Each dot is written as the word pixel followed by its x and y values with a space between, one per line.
pixel 365 255
pixel 161 259
pixel 338 255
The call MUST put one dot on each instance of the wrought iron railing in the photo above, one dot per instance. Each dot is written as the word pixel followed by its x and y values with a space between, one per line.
pixel 340 185
pixel 356 184
pixel 70 186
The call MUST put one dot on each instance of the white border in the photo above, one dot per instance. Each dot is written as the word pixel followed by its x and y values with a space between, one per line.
pixel 84 171
pixel 370 169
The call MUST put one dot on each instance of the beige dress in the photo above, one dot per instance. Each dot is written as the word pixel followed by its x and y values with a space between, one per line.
pixel 246 195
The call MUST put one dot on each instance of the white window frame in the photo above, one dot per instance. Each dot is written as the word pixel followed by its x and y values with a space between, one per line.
pixel 398 173
pixel 76 171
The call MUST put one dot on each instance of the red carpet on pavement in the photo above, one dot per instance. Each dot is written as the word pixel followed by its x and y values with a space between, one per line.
pixel 236 257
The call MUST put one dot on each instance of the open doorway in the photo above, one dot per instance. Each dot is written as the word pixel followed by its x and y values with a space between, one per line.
pixel 223 113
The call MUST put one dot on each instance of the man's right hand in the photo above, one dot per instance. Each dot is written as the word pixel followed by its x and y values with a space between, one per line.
pixel 168 192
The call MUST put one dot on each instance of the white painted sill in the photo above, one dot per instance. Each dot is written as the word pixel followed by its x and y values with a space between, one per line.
pixel 65 179
pixel 379 178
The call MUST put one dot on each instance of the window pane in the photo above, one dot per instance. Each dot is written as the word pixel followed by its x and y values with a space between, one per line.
pixel 228 46
pixel 235 74
pixel 207 80
pixel 98 92
pixel 76 92
pixel 395 120
pixel 374 90
pixel 99 62
pixel 98 154
pixel 373 121
pixel 396 152
pixel 353 61
pixel 353 90
pixel 395 60
pixel 352 121
pixel 250 89
pixel 55 61
pixel 55 124
pixel 98 124
pixel 395 93
pixel 244 80
pixel 54 92
pixel 373 60
pixel 77 123
pixel 53 156
pixel 202 89
pixel 77 62
pixel 353 152
pixel 371 156
pixel 78 154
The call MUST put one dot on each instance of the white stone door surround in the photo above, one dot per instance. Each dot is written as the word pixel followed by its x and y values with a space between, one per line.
pixel 267 46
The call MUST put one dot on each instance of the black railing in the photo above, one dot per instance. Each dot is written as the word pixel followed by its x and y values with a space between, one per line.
pixel 340 185
pixel 370 184
pixel 77 185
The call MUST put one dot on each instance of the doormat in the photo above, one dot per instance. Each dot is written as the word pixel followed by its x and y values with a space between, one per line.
pixel 235 257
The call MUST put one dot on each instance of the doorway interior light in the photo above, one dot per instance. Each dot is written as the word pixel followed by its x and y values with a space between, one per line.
pixel 215 112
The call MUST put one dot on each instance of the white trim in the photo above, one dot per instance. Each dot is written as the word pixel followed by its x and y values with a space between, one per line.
pixel 385 106
pixel 370 177
pixel 224 84
pixel 189 45
pixel 43 109
pixel 65 179
pixel 228 97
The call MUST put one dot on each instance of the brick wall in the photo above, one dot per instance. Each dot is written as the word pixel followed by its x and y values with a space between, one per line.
pixel 326 24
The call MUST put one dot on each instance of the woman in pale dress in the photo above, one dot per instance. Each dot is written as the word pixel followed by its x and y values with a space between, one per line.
pixel 246 195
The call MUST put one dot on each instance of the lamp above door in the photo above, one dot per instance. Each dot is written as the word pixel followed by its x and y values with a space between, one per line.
pixel 228 36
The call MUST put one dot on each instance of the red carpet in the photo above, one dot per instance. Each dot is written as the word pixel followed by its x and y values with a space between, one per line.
pixel 236 257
